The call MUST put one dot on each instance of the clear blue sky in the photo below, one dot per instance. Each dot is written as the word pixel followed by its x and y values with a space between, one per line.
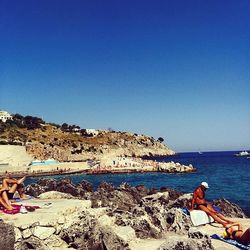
pixel 177 69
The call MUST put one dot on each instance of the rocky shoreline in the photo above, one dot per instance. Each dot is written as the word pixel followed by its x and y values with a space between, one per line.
pixel 107 218
pixel 106 165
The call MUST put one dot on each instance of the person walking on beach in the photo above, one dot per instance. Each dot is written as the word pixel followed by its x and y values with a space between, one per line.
pixel 199 202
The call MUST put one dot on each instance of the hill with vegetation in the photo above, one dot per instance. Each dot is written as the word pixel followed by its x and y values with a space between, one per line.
pixel 71 143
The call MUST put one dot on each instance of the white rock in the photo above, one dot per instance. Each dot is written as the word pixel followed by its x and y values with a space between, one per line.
pixel 18 234
pixel 25 226
pixel 27 233
pixel 54 241
pixel 55 195
pixel 97 212
pixel 106 220
pixel 61 220
pixel 126 233
pixel 43 232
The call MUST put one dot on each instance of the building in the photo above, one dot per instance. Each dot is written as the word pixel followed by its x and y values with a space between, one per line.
pixel 94 132
pixel 4 116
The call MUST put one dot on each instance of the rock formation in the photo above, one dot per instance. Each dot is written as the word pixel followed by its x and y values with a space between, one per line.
pixel 7 236
pixel 52 142
pixel 111 218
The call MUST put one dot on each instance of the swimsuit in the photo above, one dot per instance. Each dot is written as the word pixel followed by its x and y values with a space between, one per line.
pixel 204 204
pixel 233 233
pixel 10 195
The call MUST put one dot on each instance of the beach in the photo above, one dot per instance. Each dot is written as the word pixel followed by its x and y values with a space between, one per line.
pixel 15 161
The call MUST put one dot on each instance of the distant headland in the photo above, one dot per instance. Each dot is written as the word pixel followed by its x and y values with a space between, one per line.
pixel 28 142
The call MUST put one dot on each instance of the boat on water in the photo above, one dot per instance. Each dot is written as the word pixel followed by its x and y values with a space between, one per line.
pixel 242 153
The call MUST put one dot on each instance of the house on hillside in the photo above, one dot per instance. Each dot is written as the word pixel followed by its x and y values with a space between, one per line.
pixel 92 131
pixel 4 116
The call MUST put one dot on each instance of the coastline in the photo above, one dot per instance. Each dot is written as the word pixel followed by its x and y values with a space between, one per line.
pixel 77 215
pixel 67 170
pixel 15 161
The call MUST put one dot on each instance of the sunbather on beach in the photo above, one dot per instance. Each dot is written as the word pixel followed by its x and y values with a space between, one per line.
pixel 199 202
pixel 235 231
pixel 4 201
pixel 12 185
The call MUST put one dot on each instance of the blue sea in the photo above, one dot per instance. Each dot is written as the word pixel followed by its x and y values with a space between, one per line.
pixel 228 176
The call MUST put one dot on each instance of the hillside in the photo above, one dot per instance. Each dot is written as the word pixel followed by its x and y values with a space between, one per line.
pixel 52 141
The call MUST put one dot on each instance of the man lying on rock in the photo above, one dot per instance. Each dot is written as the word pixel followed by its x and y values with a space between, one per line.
pixel 199 202
pixel 7 190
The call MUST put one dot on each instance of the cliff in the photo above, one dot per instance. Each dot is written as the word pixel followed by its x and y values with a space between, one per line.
pixel 50 141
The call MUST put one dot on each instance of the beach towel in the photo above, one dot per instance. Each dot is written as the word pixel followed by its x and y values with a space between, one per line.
pixel 230 241
pixel 17 207
pixel 185 211
pixel 26 206
pixel 217 209
pixel 18 199
pixel 14 211
pixel 199 217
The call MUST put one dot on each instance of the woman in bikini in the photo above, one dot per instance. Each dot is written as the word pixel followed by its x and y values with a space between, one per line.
pixel 235 232
pixel 7 190
pixel 12 185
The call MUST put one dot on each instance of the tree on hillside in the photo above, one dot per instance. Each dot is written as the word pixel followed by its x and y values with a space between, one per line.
pixel 111 130
pixel 64 127
pixel 160 139
pixel 33 122
pixel 19 120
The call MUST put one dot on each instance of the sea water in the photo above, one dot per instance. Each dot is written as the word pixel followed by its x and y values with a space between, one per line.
pixel 228 176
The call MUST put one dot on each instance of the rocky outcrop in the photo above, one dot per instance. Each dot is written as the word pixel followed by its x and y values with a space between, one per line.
pixel 84 227
pixel 172 167
pixel 126 198
pixel 78 227
pixel 113 217
pixel 195 240
pixel 229 209
pixel 7 236
pixel 51 142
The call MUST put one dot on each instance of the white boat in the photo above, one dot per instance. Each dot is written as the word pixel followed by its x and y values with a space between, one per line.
pixel 243 153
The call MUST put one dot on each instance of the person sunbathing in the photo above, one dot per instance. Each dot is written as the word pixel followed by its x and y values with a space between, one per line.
pixel 199 202
pixel 12 185
pixel 4 201
pixel 235 231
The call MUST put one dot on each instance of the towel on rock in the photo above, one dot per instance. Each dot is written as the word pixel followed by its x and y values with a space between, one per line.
pixel 199 217
pixel 230 241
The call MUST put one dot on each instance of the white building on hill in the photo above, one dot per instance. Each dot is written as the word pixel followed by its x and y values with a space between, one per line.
pixel 92 131
pixel 4 116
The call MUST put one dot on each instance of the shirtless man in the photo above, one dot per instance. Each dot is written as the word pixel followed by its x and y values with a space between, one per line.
pixel 199 202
